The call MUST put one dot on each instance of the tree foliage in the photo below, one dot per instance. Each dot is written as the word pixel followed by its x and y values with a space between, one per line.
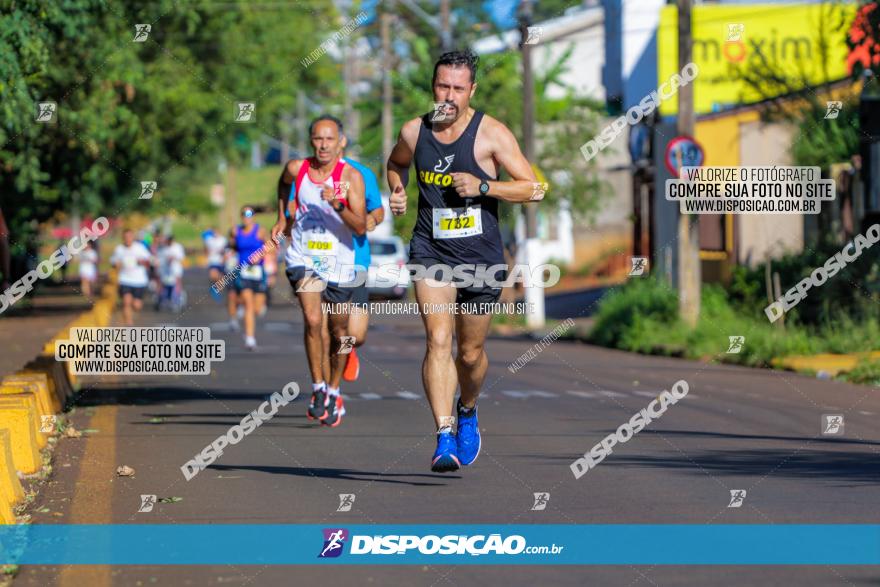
pixel 139 111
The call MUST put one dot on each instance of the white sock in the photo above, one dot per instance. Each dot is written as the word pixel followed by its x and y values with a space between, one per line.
pixel 445 428
pixel 332 391
pixel 318 386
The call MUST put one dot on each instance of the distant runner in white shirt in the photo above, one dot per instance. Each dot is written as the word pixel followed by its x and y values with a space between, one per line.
pixel 88 269
pixel 131 259
pixel 171 256
pixel 215 246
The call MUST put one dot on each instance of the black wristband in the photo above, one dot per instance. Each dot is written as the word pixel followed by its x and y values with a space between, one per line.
pixel 340 208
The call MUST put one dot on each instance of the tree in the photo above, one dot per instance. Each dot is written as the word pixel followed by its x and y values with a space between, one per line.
pixel 130 112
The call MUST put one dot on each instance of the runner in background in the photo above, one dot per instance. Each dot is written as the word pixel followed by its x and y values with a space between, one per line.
pixel 88 269
pixel 359 320
pixel 230 266
pixel 215 246
pixel 132 260
pixel 248 239
pixel 154 241
pixel 171 256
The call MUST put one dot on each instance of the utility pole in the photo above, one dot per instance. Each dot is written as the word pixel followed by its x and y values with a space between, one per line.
pixel 285 138
pixel 347 80
pixel 534 295
pixel 688 226
pixel 387 118
pixel 301 123
pixel 445 34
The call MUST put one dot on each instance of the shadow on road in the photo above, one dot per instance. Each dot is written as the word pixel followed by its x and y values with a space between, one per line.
pixel 725 435
pixel 845 468
pixel 345 474
pixel 139 394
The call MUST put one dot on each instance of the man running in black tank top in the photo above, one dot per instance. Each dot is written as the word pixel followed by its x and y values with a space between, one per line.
pixel 457 160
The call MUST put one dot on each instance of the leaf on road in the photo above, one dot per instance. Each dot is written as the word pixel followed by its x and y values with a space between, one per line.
pixel 125 471
pixel 170 499
pixel 71 432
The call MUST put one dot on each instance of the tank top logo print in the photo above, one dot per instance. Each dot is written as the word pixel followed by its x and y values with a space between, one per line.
pixel 450 228
pixel 437 177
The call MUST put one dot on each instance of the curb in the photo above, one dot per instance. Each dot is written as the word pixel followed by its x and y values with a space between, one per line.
pixel 833 364
pixel 11 491
pixel 31 398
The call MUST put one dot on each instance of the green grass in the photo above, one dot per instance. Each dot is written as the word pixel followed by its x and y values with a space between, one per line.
pixel 866 372
pixel 642 317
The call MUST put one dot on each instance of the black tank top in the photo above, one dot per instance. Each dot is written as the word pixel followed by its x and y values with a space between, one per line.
pixel 435 162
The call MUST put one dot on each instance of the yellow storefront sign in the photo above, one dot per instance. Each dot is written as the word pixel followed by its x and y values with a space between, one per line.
pixel 755 40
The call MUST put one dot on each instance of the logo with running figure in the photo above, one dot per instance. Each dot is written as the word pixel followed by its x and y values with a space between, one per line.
pixel 334 542
pixel 541 501
pixel 736 344
pixel 147 503
pixel 444 163
pixel 832 424
pixel 346 344
pixel 735 32
pixel 833 109
pixel 340 189
pixel 639 264
pixel 346 500
pixel 534 34
pixel 245 112
pixel 148 188
pixel 737 497
pixel 48 424
pixel 141 32
pixel 46 112
pixel 441 111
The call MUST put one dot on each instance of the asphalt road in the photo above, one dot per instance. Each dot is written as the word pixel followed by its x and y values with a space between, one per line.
pixel 736 429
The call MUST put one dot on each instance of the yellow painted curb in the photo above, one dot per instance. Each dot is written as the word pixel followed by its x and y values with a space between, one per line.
pixel 11 490
pixel 44 402
pixel 7 518
pixel 18 418
pixel 40 379
pixel 828 362
pixel 47 366
pixel 99 315
pixel 30 399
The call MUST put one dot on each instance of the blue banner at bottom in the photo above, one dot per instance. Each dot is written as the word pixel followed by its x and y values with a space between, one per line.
pixel 272 544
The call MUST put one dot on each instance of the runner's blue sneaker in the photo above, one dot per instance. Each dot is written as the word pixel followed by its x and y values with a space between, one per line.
pixel 445 459
pixel 468 437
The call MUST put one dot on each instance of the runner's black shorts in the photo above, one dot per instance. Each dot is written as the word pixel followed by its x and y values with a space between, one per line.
pixel 360 296
pixel 255 285
pixel 333 293
pixel 475 295
pixel 136 292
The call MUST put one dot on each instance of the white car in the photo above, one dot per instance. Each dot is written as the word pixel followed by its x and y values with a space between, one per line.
pixel 388 275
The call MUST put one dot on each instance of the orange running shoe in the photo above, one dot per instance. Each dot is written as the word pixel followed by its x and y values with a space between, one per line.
pixel 352 367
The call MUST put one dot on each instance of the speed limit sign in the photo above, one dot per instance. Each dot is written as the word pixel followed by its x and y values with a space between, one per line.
pixel 683 151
